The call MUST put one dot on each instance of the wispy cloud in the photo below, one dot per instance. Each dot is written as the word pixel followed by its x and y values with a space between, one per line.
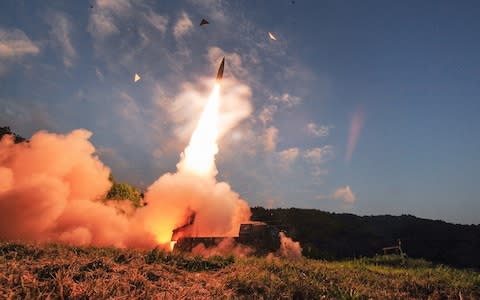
pixel 158 21
pixel 99 74
pixel 344 194
pixel 14 45
pixel 128 108
pixel 269 139
pixel 287 157
pixel 60 31
pixel 267 113
pixel 286 99
pixel 318 131
pixel 316 157
pixel 319 155
pixel 183 26
pixel 215 9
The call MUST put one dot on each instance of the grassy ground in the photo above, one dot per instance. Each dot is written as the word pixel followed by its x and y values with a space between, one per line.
pixel 60 272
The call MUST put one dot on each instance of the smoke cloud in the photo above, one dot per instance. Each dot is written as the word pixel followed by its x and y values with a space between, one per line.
pixel 227 246
pixel 219 211
pixel 50 190
pixel 289 248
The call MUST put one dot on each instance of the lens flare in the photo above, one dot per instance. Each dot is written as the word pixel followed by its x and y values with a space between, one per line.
pixel 199 156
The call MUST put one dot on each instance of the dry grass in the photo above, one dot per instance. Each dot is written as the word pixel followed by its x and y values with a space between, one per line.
pixel 61 272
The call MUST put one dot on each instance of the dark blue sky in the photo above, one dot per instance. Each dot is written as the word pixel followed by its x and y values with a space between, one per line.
pixel 410 70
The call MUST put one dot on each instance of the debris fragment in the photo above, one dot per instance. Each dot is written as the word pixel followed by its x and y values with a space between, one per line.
pixel 136 78
pixel 272 37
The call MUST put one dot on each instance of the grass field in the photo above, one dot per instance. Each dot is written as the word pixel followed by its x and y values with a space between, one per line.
pixel 60 272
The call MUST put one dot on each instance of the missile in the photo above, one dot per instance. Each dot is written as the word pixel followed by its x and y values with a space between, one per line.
pixel 220 70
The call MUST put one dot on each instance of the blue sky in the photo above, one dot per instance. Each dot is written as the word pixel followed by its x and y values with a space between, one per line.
pixel 409 70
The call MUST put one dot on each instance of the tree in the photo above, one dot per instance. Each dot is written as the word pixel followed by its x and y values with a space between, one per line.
pixel 124 191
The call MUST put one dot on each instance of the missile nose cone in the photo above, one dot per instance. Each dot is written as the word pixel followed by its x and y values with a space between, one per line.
pixel 220 70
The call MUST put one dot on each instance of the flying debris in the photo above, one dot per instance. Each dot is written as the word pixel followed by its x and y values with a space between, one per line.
pixel 220 70
pixel 136 78
pixel 204 22
pixel 272 37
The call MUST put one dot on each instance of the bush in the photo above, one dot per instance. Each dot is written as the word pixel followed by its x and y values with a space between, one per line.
pixel 124 191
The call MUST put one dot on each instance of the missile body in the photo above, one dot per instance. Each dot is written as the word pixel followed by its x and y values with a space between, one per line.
pixel 220 70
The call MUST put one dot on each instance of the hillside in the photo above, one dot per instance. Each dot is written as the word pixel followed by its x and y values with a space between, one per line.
pixel 337 236
pixel 61 272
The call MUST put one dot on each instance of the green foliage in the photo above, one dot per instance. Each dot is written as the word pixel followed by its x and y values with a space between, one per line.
pixel 124 191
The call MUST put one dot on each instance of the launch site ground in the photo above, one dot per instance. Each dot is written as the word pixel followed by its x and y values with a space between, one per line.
pixel 55 271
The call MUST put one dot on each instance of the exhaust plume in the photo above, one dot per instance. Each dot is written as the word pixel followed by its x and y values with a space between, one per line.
pixel 173 198
pixel 356 126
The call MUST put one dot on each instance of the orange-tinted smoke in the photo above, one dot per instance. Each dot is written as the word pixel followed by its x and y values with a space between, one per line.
pixel 50 190
pixel 289 248
pixel 219 211
pixel 227 246
pixel 356 126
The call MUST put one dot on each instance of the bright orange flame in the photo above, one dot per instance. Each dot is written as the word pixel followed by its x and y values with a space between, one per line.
pixel 172 245
pixel 199 156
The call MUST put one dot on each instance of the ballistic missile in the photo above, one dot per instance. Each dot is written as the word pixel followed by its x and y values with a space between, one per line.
pixel 220 70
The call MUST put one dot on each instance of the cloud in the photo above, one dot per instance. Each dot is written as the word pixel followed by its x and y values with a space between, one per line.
pixel 118 6
pixel 99 74
pixel 14 45
pixel 183 26
pixel 60 29
pixel 158 21
pixel 321 131
pixel 286 99
pixel 319 155
pixel 214 9
pixel 269 138
pixel 287 157
pixel 266 115
pixel 102 20
pixel 128 108
pixel 344 194
pixel 318 171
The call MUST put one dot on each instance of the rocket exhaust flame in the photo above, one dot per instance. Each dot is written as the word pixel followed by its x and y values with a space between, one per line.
pixel 199 156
